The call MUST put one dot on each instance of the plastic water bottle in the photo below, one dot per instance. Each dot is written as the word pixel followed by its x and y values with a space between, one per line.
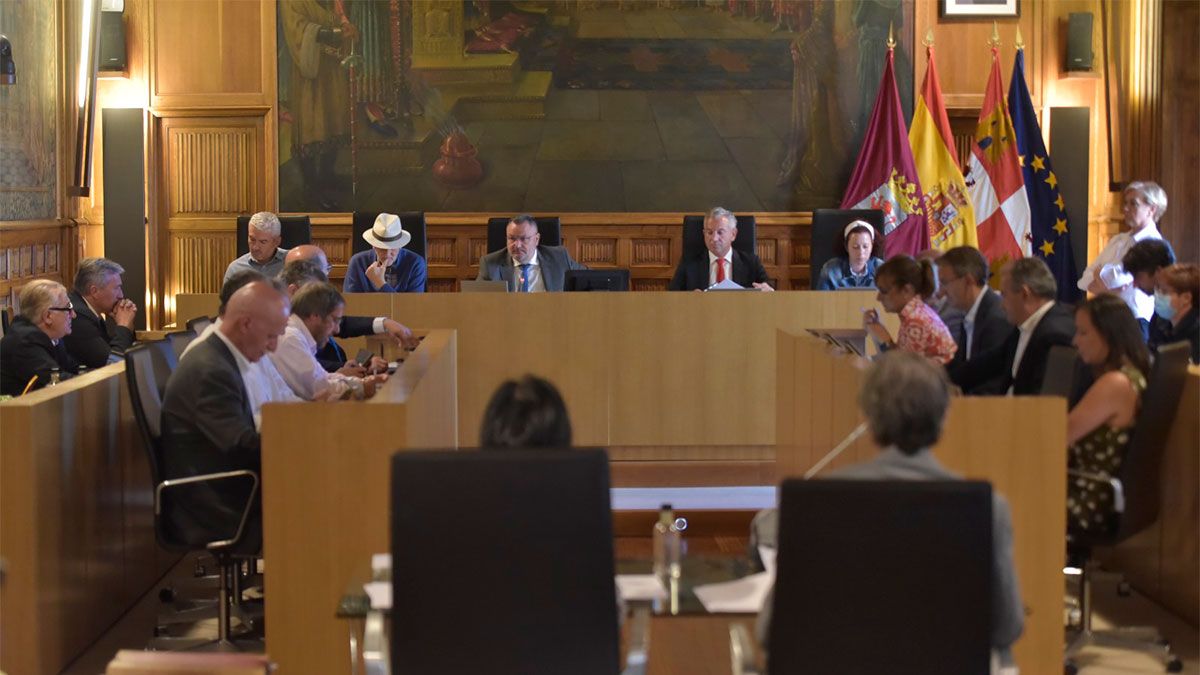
pixel 55 377
pixel 666 545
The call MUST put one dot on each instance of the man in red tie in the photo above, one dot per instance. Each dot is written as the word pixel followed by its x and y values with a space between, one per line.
pixel 720 262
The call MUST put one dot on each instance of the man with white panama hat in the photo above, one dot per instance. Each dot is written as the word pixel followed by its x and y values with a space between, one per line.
pixel 389 267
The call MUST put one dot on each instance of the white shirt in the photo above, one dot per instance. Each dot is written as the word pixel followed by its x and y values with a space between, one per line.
pixel 712 266
pixel 1026 329
pixel 969 321
pixel 262 380
pixel 1107 267
pixel 296 359
pixel 536 285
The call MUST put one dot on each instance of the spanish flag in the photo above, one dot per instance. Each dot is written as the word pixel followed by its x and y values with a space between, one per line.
pixel 947 206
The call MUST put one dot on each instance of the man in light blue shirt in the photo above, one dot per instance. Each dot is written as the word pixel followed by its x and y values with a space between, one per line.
pixel 265 256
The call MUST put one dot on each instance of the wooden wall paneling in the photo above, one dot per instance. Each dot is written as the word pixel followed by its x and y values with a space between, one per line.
pixel 38 249
pixel 1181 126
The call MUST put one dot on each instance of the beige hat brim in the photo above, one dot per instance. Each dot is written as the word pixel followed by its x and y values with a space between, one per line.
pixel 405 237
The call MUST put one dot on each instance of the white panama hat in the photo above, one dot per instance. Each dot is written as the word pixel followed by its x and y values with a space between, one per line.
pixel 387 232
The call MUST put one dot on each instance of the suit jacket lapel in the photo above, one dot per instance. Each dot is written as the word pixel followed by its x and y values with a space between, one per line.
pixel 84 311
pixel 506 269
pixel 985 311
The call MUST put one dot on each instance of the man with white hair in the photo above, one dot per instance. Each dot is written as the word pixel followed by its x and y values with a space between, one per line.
pixel 32 346
pixel 720 262
pixel 104 317
pixel 264 238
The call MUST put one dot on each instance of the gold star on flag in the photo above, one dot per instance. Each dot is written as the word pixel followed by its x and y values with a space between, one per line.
pixel 1047 248
pixel 1039 163
pixel 1052 180
pixel 1061 205
pixel 1061 226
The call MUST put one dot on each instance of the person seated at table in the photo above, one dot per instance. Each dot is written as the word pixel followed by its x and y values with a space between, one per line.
pixel 1175 302
pixel 720 262
pixel 99 300
pixel 525 413
pixel 855 263
pixel 32 346
pixel 263 382
pixel 903 284
pixel 526 265
pixel 904 398
pixel 950 315
pixel 963 272
pixel 1109 341
pixel 264 236
pixel 207 424
pixel 1143 261
pixel 388 267
pixel 332 356
pixel 317 309
pixel 1027 292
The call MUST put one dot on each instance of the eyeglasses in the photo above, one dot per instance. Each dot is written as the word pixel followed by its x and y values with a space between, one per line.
pixel 526 238
pixel 69 308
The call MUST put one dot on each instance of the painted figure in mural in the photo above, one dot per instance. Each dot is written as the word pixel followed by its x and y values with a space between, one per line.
pixel 320 105
pixel 873 17
pixel 817 128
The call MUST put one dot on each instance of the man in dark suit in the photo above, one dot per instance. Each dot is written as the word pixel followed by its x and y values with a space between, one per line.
pixel 962 274
pixel 32 345
pixel 721 262
pixel 1027 294
pixel 103 315
pixel 525 265
pixel 207 423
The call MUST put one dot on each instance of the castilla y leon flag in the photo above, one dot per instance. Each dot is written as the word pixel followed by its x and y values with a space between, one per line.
pixel 994 180
pixel 947 207
pixel 1047 213
pixel 885 177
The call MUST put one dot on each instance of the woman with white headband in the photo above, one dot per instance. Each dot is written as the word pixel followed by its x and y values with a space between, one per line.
pixel 855 264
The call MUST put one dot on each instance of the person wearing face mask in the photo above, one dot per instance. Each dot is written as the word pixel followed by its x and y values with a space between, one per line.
pixel 855 264
pixel 388 267
pixel 1144 205
pixel 1175 302
pixel 1099 426
pixel 33 345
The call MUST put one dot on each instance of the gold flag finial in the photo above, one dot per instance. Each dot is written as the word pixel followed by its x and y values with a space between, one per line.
pixel 928 37
pixel 891 43
pixel 1020 43
pixel 994 41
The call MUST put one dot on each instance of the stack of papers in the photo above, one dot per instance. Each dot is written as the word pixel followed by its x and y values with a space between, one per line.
pixel 640 587
pixel 740 596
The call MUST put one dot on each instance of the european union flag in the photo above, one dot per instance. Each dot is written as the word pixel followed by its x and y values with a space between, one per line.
pixel 1048 216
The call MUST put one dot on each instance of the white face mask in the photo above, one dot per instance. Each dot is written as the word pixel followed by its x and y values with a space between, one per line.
pixel 1162 305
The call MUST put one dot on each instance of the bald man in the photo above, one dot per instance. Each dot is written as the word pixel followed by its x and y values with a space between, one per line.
pixel 331 356
pixel 207 422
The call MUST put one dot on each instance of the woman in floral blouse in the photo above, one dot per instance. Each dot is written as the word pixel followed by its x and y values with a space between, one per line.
pixel 903 284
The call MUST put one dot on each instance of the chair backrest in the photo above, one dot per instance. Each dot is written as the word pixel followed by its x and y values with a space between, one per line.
pixel 179 340
pixel 1140 471
pixel 412 221
pixel 1059 378
pixel 883 577
pixel 827 240
pixel 502 562
pixel 550 227
pixel 199 323
pixel 143 364
pixel 693 235
pixel 293 230
pixel 3 321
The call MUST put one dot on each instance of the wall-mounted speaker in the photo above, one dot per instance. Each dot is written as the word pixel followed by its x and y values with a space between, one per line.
pixel 112 41
pixel 1079 41
pixel 1070 153
pixel 125 201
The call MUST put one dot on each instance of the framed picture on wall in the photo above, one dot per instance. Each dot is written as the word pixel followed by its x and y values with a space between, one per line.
pixel 980 8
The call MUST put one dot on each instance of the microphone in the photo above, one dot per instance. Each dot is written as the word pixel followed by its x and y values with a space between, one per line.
pixel 832 454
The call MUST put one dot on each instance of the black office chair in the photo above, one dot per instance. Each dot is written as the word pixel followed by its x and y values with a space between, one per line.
pixel 293 230
pixel 693 235
pixel 1137 498
pixel 179 340
pixel 901 581
pixel 199 323
pixel 827 241
pixel 502 563
pixel 142 364
pixel 3 321
pixel 550 227
pixel 411 221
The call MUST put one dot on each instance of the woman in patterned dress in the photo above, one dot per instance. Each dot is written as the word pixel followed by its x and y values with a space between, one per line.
pixel 903 284
pixel 1109 340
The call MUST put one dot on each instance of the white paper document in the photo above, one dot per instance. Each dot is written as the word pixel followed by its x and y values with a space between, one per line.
pixel 741 596
pixel 727 285
pixel 380 593
pixel 640 587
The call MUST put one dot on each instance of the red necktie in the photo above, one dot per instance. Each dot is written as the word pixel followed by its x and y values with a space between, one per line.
pixel 720 270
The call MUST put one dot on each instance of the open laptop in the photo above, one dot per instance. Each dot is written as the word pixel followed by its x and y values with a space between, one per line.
pixel 475 286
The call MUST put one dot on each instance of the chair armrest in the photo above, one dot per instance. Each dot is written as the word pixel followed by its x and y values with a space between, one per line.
pixel 638 652
pixel 741 650
pixel 1117 488
pixel 209 477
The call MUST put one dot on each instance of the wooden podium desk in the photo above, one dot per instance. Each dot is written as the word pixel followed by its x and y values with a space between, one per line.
pixel 76 519
pixel 1018 444
pixel 326 469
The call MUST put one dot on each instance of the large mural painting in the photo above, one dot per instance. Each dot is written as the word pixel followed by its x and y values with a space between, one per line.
pixel 27 113
pixel 578 105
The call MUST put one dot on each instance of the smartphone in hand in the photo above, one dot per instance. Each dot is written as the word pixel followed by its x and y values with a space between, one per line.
pixel 364 357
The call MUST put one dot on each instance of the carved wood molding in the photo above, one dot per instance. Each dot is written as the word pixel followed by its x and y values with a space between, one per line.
pixel 36 249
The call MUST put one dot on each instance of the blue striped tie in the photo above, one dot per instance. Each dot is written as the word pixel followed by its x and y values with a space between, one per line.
pixel 525 277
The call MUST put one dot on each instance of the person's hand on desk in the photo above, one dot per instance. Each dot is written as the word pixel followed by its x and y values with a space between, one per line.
pixel 352 369
pixel 371 384
pixel 377 365
pixel 763 287
pixel 401 334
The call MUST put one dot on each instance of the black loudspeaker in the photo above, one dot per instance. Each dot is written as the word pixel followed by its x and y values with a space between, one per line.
pixel 1079 41
pixel 1070 150
pixel 125 201
pixel 112 42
